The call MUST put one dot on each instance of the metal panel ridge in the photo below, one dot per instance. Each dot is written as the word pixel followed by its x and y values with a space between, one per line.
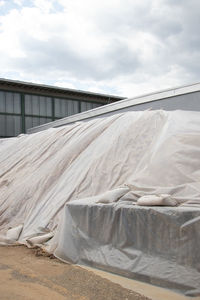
pixel 155 96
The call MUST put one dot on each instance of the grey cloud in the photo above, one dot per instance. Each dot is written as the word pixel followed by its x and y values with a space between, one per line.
pixel 141 18
pixel 184 48
pixel 57 54
pixel 124 60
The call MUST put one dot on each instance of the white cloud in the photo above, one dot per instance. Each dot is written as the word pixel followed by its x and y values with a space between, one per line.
pixel 18 2
pixel 110 46
pixel 43 5
pixel 65 84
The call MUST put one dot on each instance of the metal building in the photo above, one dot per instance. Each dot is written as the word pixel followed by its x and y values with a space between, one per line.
pixel 25 105
pixel 184 98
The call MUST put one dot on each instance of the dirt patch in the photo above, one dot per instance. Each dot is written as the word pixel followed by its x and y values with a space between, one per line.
pixel 31 274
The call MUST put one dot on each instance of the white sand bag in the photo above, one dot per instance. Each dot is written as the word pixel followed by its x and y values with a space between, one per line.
pixel 14 233
pixel 5 241
pixel 156 200
pixel 112 196
pixel 40 239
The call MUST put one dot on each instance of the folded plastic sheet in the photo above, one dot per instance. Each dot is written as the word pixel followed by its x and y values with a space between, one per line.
pixel 158 245
pixel 147 153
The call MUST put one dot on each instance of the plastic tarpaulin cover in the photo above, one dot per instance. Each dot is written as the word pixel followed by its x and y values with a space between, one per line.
pixel 149 158
pixel 158 245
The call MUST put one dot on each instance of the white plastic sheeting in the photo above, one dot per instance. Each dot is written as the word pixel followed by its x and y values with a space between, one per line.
pixel 158 245
pixel 119 158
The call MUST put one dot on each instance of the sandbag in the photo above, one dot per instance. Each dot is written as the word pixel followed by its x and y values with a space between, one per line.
pixel 156 200
pixel 14 233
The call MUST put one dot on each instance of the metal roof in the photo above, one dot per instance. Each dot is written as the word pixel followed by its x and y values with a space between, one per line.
pixel 116 106
pixel 50 88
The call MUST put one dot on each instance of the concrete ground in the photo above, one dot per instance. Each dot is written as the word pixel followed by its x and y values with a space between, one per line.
pixel 26 274
pixel 151 291
pixel 31 274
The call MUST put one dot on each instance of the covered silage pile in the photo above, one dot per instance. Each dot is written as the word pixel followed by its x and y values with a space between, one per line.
pixel 77 191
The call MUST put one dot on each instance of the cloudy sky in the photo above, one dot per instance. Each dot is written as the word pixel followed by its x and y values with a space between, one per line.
pixel 121 47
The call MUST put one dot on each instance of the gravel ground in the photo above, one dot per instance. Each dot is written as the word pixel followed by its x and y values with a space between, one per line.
pixel 26 274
